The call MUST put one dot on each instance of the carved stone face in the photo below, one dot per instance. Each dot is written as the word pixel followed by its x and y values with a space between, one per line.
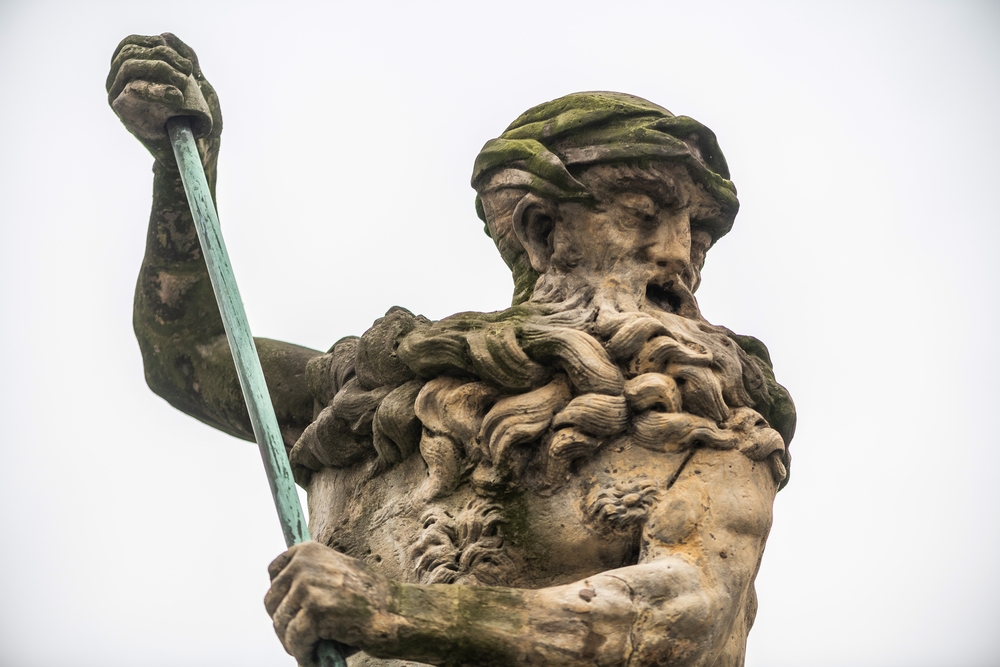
pixel 637 247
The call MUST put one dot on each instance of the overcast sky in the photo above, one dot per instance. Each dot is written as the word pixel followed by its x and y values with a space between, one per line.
pixel 863 139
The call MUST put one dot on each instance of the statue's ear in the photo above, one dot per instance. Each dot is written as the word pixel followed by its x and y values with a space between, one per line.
pixel 534 220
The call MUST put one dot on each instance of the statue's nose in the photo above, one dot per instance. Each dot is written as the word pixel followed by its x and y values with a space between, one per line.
pixel 670 249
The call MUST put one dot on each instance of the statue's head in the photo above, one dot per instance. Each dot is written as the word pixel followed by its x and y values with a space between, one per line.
pixel 607 196
pixel 603 205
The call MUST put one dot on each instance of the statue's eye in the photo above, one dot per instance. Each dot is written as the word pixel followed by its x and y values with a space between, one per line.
pixel 671 202
pixel 642 207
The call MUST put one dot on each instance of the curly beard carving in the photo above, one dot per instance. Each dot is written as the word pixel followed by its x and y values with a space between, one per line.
pixel 464 549
pixel 512 399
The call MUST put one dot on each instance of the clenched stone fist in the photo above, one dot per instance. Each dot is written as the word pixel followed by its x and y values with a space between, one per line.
pixel 155 78
pixel 318 593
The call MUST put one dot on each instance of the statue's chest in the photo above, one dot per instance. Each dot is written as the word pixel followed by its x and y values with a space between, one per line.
pixel 591 524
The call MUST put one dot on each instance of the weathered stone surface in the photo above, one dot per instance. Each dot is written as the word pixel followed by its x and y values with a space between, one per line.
pixel 585 478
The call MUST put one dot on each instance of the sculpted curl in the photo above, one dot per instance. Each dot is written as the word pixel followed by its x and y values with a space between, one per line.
pixel 658 380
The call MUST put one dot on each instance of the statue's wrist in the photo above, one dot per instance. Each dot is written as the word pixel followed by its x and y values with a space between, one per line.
pixel 163 154
pixel 376 626
pixel 165 166
pixel 166 172
pixel 401 628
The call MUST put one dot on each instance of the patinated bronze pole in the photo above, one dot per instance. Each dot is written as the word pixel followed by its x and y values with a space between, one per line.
pixel 265 425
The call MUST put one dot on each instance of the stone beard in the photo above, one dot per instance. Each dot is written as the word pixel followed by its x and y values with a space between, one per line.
pixel 481 407
pixel 585 478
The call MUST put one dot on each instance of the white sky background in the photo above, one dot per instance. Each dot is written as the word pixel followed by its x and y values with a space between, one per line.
pixel 863 139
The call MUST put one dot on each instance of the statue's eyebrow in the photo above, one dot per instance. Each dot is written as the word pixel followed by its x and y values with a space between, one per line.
pixel 663 190
pixel 703 207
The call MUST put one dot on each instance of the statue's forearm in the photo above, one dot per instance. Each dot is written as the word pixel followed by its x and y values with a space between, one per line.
pixel 467 625
pixel 181 335
pixel 176 318
pixel 639 615
pixel 174 296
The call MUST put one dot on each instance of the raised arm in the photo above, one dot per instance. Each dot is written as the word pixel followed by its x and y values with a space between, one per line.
pixel 184 350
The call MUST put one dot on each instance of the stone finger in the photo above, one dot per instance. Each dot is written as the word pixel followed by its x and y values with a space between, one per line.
pixel 130 42
pixel 300 638
pixel 154 71
pixel 136 52
pixel 158 93
pixel 275 597
pixel 280 563
pixel 138 40
pixel 175 42
pixel 290 606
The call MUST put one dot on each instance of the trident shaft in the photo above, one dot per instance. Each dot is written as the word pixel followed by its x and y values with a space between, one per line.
pixel 234 318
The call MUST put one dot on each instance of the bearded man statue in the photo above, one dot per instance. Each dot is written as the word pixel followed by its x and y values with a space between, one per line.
pixel 586 478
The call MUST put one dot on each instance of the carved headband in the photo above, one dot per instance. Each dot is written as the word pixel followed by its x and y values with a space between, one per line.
pixel 538 148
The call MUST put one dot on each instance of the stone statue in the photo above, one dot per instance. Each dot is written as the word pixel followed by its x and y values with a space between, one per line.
pixel 585 478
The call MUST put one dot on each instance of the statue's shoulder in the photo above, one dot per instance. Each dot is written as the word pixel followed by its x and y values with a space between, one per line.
pixel 363 400
pixel 777 406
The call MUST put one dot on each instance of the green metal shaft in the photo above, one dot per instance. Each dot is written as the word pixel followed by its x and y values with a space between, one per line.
pixel 234 318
